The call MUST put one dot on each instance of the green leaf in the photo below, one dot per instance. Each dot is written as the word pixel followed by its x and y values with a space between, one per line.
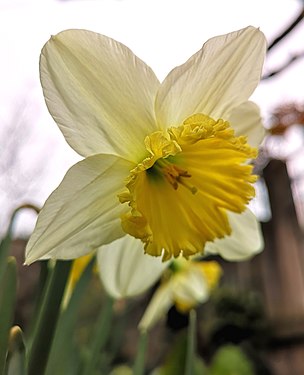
pixel 64 358
pixel 122 370
pixel 4 250
pixel 6 241
pixel 44 274
pixel 7 307
pixel 230 360
pixel 47 319
pixel 175 362
pixel 100 337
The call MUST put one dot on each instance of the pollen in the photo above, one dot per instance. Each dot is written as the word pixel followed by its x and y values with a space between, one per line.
pixel 181 193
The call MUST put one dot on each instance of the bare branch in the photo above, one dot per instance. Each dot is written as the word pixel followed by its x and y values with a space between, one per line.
pixel 289 28
pixel 291 60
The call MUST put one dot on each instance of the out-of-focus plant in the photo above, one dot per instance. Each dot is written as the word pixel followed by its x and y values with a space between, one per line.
pixel 49 346
pixel 230 360
pixel 185 284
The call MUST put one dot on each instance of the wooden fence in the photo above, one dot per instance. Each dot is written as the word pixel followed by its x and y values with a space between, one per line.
pixel 278 274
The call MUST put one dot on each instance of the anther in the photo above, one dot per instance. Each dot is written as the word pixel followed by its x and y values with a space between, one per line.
pixel 176 175
pixel 193 189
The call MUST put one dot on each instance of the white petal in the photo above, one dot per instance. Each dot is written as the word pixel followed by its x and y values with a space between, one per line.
pixel 245 241
pixel 218 78
pixel 83 212
pixel 160 303
pixel 99 93
pixel 125 270
pixel 246 120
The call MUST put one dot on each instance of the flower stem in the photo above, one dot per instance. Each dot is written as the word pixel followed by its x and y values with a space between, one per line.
pixel 5 243
pixel 139 365
pixel 47 319
pixel 102 330
pixel 191 344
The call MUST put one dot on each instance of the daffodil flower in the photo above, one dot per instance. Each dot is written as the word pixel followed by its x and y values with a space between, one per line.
pixel 185 285
pixel 166 163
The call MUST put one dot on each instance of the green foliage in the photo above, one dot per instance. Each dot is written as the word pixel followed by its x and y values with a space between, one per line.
pixel 64 354
pixel 47 318
pixel 230 360
pixel 99 337
pixel 55 345
pixel 7 306
pixel 121 370
pixel 235 316
pixel 4 249
pixel 175 362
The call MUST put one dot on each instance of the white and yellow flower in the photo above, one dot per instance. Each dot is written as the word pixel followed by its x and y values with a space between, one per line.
pixel 186 284
pixel 164 162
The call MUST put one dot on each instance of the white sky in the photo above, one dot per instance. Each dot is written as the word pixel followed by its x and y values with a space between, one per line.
pixel 164 33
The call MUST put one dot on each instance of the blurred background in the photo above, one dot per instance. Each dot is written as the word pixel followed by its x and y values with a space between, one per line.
pixel 259 304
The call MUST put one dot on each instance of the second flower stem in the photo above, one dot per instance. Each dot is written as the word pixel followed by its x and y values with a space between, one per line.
pixel 191 344
pixel 139 365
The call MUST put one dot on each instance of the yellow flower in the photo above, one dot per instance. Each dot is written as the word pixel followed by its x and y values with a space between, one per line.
pixel 78 267
pixel 186 285
pixel 164 162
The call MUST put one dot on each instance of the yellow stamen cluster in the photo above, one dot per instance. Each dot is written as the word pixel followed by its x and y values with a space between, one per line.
pixel 205 157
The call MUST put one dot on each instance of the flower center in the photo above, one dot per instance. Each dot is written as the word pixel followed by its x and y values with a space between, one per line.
pixel 174 175
pixel 179 196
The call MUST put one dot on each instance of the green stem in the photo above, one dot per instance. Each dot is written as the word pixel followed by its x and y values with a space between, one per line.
pixel 6 241
pixel 47 319
pixel 139 365
pixel 7 306
pixel 102 331
pixel 191 344
pixel 40 290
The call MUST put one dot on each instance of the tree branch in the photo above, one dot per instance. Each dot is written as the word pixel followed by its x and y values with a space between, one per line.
pixel 289 28
pixel 291 60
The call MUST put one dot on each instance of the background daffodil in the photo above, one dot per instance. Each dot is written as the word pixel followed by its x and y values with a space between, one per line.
pixel 185 285
pixel 164 162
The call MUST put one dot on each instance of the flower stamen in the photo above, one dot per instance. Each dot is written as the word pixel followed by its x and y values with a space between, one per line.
pixel 192 189
pixel 173 174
